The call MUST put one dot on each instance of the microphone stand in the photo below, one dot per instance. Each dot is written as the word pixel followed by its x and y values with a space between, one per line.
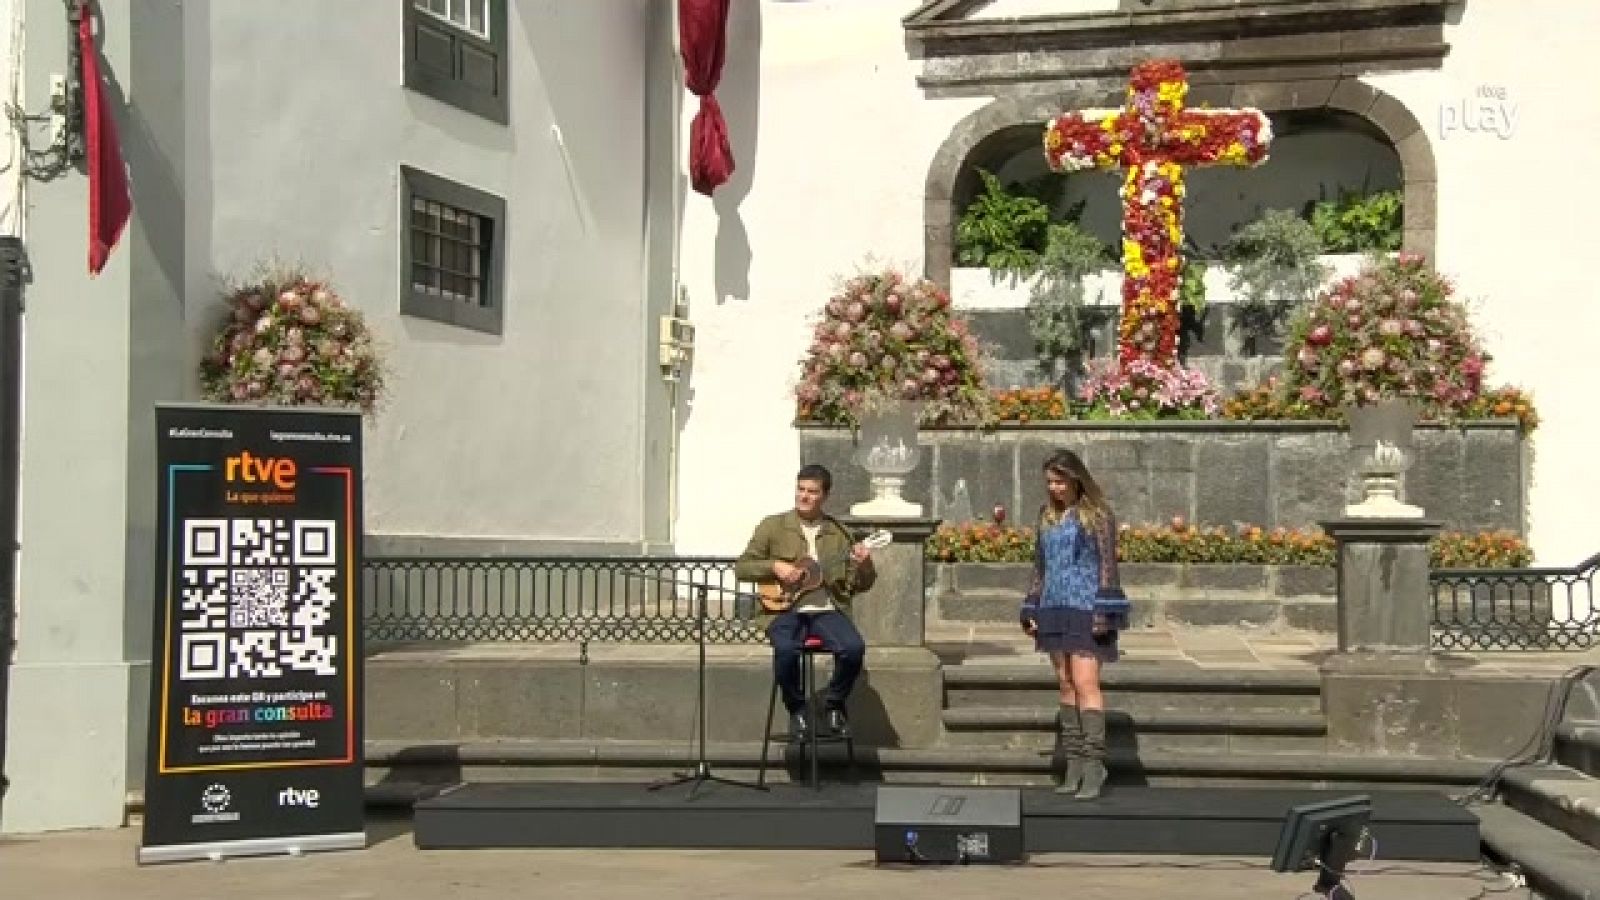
pixel 701 772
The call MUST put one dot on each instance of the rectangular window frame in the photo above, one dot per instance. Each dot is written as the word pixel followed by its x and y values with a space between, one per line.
pixel 449 89
pixel 488 318
pixel 426 7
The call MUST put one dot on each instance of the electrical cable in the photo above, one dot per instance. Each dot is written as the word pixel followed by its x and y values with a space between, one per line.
pixel 1541 744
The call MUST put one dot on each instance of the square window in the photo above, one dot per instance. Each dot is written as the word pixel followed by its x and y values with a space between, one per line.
pixel 452 252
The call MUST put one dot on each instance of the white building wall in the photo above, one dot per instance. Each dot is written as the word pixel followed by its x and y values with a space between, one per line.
pixel 260 131
pixel 1513 232
pixel 531 435
pixel 832 139
pixel 73 694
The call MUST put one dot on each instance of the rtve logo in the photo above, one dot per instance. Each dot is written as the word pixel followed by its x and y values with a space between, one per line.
pixel 310 798
pixel 260 469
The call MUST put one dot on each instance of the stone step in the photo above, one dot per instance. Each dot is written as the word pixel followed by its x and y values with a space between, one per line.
pixel 1161 731
pixel 1140 689
pixel 1554 864
pixel 1562 798
pixel 1578 746
pixel 405 763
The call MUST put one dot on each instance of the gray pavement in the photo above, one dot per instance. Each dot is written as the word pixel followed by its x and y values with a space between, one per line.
pixel 91 865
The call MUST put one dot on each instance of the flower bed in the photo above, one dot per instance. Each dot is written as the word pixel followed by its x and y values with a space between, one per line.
pixel 1183 542
pixel 1165 595
pixel 1182 575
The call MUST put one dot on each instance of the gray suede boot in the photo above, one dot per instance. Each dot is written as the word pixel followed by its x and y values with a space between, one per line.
pixel 1094 752
pixel 1067 765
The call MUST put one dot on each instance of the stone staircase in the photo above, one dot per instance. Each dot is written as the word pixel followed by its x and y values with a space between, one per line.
pixel 1191 709
pixel 1547 818
pixel 1170 722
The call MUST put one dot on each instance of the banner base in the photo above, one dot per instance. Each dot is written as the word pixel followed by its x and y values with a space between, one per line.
pixel 284 846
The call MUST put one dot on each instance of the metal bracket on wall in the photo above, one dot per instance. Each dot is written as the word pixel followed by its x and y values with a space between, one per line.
pixel 63 117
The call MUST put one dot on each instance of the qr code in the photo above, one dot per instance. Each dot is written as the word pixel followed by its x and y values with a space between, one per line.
pixel 257 598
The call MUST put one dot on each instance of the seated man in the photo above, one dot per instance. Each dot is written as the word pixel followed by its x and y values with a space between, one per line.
pixel 779 542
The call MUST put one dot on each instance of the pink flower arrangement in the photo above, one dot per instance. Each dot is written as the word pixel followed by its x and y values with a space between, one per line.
pixel 1392 331
pixel 290 340
pixel 1144 389
pixel 883 338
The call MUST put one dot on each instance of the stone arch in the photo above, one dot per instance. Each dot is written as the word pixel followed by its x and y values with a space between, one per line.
pixel 1014 120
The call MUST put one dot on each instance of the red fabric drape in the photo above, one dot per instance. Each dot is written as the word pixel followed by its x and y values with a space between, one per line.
pixel 109 201
pixel 702 33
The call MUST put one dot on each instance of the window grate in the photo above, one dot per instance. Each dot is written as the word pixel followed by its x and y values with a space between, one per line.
pixel 449 251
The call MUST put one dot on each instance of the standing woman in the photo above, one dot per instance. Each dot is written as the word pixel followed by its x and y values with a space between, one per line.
pixel 1073 610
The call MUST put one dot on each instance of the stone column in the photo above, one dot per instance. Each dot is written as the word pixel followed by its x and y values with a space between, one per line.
pixel 1385 603
pixel 900 700
pixel 1385 693
pixel 101 352
pixel 893 613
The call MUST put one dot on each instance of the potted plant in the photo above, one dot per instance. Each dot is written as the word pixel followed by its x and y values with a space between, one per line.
pixel 289 339
pixel 883 339
pixel 1385 347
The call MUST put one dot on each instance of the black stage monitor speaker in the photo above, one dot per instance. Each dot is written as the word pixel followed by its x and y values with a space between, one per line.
pixel 1323 836
pixel 948 825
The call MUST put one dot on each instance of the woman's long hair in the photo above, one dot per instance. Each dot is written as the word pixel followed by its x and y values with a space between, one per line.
pixel 1093 510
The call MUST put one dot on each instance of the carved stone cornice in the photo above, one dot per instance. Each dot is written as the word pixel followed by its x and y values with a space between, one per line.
pixel 1217 41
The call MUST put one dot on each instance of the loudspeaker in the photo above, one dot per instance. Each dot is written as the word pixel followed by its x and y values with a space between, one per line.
pixel 948 825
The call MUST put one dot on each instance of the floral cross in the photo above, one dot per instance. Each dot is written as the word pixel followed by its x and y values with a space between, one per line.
pixel 1152 137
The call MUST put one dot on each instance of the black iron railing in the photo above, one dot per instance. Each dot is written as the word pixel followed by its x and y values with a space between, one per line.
pixel 1516 609
pixel 622 599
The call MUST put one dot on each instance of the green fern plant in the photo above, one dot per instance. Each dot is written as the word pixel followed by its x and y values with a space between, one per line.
pixel 1192 286
pixel 1004 229
pixel 1359 223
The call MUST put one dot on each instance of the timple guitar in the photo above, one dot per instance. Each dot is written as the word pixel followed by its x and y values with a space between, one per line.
pixel 779 597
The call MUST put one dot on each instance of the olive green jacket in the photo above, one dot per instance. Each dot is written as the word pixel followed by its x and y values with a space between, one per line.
pixel 779 537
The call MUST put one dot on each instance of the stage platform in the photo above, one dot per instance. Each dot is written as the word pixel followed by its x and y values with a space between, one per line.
pixel 1406 824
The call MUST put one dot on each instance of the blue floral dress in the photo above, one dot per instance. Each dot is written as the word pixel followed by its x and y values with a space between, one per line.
pixel 1074 582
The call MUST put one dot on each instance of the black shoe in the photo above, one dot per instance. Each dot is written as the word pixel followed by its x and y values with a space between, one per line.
pixel 798 727
pixel 837 723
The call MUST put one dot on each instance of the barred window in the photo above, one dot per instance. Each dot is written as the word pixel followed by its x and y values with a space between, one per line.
pixel 449 251
pixel 452 252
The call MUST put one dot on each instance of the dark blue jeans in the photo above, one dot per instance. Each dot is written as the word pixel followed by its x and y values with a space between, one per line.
pixel 840 638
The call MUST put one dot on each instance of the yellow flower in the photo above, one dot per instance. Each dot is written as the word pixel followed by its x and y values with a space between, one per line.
pixel 1108 123
pixel 1172 262
pixel 1167 202
pixel 1052 139
pixel 1116 149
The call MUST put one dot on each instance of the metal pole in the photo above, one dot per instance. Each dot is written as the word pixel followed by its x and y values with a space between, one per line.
pixel 12 276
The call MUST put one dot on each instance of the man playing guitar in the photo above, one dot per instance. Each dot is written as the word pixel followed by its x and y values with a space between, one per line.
pixel 777 555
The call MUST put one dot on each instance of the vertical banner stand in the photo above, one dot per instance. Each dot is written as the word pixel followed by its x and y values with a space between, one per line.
pixel 254 744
